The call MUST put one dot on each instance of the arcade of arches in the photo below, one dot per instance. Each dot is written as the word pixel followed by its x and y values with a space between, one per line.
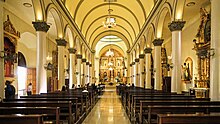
pixel 154 43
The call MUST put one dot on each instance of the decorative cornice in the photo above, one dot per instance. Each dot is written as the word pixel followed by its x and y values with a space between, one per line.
pixel 41 26
pixel 72 50
pixel 176 25
pixel 78 56
pixel 61 42
pixel 84 60
pixel 137 60
pixel 87 63
pixel 147 50
pixel 158 42
pixel 141 56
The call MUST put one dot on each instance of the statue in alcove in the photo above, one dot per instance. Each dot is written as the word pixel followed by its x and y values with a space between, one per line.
pixel 186 72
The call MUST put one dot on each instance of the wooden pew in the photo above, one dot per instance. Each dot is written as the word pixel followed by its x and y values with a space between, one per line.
pixel 73 100
pixel 65 107
pixel 44 111
pixel 21 119
pixel 136 105
pixel 144 105
pixel 213 118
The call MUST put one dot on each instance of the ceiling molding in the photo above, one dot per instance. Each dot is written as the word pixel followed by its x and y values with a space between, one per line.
pixel 117 24
pixel 77 8
pixel 116 4
pixel 142 7
pixel 112 46
pixel 95 41
pixel 147 22
pixel 68 17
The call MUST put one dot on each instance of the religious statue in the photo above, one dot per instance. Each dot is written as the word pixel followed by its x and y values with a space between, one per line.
pixel 186 72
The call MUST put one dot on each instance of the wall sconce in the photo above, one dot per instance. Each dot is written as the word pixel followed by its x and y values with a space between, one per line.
pixel 153 70
pixel 49 66
pixel 66 70
pixel 211 52
pixel 9 56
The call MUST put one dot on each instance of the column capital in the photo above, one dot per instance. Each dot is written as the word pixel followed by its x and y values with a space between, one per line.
pixel 93 51
pixel 176 25
pixel 72 50
pixel 41 26
pixel 158 42
pixel 137 60
pixel 61 42
pixel 87 63
pixel 148 50
pixel 141 56
pixel 78 56
pixel 83 60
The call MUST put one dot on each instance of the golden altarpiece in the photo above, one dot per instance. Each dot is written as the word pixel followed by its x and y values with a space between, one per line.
pixel 9 54
pixel 112 67
pixel 203 52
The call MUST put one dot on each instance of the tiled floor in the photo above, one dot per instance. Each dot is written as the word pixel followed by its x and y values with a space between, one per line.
pixel 108 110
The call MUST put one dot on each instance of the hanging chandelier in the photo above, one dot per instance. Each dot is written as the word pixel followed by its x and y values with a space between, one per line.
pixel 109 22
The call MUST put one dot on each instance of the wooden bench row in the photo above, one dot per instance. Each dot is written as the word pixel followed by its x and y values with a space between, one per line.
pixel 73 105
pixel 144 104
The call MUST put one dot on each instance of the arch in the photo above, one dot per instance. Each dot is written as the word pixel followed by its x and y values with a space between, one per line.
pixel 69 36
pixel 106 4
pixel 111 32
pixel 150 34
pixel 117 24
pixel 112 46
pixel 142 44
pixel 178 6
pixel 39 10
pixel 160 19
pixel 83 51
pixel 78 45
pixel 21 60
pixel 57 17
pixel 138 50
pixel 105 33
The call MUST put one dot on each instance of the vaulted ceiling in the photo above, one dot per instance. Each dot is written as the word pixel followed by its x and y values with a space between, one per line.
pixel 89 15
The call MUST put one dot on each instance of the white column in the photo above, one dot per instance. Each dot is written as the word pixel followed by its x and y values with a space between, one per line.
pixel 61 43
pixel 84 72
pixel 87 72
pixel 93 68
pixel 157 64
pixel 97 69
pixel 176 27
pixel 141 70
pixel 72 70
pixel 131 73
pixel 148 68
pixel 41 74
pixel 2 82
pixel 134 73
pixel 215 44
pixel 137 73
pixel 78 71
pixel 90 73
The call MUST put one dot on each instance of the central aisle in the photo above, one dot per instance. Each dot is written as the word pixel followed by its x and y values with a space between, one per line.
pixel 108 110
